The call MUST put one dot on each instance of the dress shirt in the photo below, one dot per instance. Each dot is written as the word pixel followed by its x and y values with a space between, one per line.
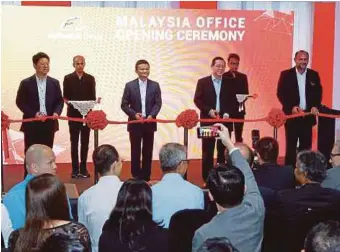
pixel 301 78
pixel 95 205
pixel 6 224
pixel 217 86
pixel 15 202
pixel 172 194
pixel 142 88
pixel 41 84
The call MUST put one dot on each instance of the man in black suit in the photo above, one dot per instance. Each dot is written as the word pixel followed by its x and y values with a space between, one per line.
pixel 141 100
pixel 299 90
pixel 212 98
pixel 37 96
pixel 79 86
pixel 240 86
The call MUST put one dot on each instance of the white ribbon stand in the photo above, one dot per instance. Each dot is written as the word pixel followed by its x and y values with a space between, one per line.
pixel 83 107
pixel 241 99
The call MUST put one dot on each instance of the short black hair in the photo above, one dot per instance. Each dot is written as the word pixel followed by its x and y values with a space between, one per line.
pixel 59 242
pixel 215 59
pixel 313 163
pixel 103 157
pixel 140 62
pixel 226 185
pixel 301 51
pixel 268 149
pixel 38 56
pixel 324 237
pixel 233 56
pixel 217 244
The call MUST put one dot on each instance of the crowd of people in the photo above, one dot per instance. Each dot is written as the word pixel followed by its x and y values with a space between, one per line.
pixel 252 204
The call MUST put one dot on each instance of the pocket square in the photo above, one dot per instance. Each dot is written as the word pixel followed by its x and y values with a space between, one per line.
pixel 312 83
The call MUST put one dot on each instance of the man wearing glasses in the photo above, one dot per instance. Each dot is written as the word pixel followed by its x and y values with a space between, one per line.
pixel 333 175
pixel 214 99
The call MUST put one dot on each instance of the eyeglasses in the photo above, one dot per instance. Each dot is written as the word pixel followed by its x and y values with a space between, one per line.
pixel 219 66
pixel 334 155
pixel 186 161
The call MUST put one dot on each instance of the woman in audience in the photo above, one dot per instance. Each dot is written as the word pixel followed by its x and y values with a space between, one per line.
pixel 47 213
pixel 64 243
pixel 130 226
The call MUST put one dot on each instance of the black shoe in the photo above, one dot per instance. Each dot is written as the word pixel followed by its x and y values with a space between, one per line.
pixel 74 176
pixel 85 175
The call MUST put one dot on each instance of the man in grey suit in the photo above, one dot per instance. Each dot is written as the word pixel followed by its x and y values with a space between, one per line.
pixel 332 179
pixel 240 206
pixel 141 100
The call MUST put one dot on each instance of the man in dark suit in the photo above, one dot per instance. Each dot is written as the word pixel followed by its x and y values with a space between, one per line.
pixel 212 98
pixel 79 86
pixel 141 100
pixel 38 96
pixel 240 86
pixel 269 173
pixel 299 90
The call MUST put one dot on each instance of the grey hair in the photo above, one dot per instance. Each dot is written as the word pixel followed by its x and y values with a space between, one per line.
pixel 313 164
pixel 171 155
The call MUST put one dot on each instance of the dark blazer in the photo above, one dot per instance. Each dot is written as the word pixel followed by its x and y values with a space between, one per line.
pixel 288 91
pixel 28 99
pixel 205 98
pixel 132 102
pixel 155 239
pixel 76 89
pixel 239 86
pixel 275 177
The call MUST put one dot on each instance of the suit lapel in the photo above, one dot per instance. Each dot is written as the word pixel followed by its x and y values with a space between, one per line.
pixel 307 84
pixel 148 90
pixel 295 82
pixel 35 87
pixel 48 92
pixel 137 90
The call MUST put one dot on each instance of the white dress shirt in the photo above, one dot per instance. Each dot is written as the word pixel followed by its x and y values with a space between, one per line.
pixel 217 86
pixel 6 224
pixel 142 88
pixel 95 205
pixel 41 84
pixel 301 78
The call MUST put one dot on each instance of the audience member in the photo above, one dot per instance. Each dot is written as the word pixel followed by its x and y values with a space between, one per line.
pixel 332 179
pixel 173 193
pixel 130 226
pixel 6 225
pixel 96 203
pixel 239 203
pixel 220 244
pixel 64 243
pixel 47 213
pixel 269 173
pixel 324 237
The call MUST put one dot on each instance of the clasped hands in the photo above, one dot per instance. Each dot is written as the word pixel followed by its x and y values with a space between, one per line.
pixel 298 110
pixel 139 116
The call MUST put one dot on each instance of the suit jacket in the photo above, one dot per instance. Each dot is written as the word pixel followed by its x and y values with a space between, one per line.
pixel 239 86
pixel 275 177
pixel 205 98
pixel 132 102
pixel 288 91
pixel 243 224
pixel 76 89
pixel 27 99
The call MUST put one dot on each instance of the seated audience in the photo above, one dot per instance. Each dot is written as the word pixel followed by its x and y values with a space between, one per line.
pixel 40 159
pixel 173 193
pixel 47 213
pixel 130 226
pixel 6 225
pixel 332 179
pixel 269 174
pixel 220 244
pixel 96 203
pixel 240 206
pixel 324 237
pixel 64 243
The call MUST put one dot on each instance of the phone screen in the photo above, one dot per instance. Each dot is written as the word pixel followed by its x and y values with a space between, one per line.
pixel 207 132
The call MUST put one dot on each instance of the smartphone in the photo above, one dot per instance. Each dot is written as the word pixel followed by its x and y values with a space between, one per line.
pixel 208 132
pixel 255 137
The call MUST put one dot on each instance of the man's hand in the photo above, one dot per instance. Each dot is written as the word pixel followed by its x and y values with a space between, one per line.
pixel 213 113
pixel 149 117
pixel 296 110
pixel 39 114
pixel 225 137
pixel 55 115
pixel 314 111
pixel 139 116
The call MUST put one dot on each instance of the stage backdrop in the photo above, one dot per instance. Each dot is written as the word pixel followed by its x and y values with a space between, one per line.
pixel 179 44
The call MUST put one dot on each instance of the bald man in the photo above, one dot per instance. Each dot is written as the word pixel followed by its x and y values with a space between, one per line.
pixel 246 152
pixel 39 159
pixel 79 86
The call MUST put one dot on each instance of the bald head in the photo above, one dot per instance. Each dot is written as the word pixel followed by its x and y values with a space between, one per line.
pixel 40 159
pixel 79 64
pixel 246 152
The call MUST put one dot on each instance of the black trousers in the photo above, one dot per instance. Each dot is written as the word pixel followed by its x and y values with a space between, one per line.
pixel 76 129
pixel 38 133
pixel 141 143
pixel 297 129
pixel 208 147
pixel 238 131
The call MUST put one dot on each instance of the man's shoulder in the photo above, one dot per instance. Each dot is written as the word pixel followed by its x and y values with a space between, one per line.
pixel 28 79
pixel 205 79
pixel 132 83
pixel 312 72
pixel 192 187
pixel 51 79
pixel 17 190
pixel 68 76
pixel 153 82
pixel 288 71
